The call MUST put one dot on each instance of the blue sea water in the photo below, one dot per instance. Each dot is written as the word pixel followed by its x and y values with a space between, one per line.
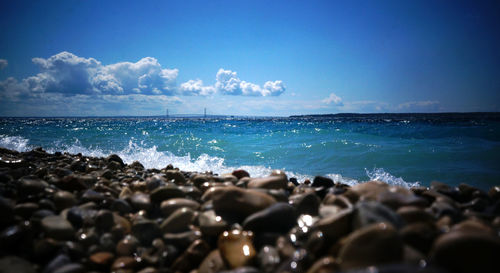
pixel 404 149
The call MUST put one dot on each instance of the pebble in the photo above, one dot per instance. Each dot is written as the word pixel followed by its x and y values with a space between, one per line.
pixel 165 193
pixel 57 227
pixel 213 263
pixel 279 217
pixel 372 245
pixel 178 221
pixel 169 206
pixel 236 247
pixel 64 199
pixel 270 182
pixel 211 224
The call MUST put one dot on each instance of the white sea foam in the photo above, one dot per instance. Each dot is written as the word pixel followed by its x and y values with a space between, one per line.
pixel 17 143
pixel 150 157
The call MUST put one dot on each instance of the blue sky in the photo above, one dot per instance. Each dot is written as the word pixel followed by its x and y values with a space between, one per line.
pixel 280 58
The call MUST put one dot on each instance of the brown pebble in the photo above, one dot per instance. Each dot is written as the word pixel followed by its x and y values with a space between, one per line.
pixel 236 247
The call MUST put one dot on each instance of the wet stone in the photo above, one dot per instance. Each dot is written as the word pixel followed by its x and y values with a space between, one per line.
pixel 236 247
pixel 321 181
pixel 146 231
pixel 58 228
pixel 121 206
pixel 178 221
pixel 270 182
pixel 279 217
pixel 64 199
pixel 166 192
pixel 102 259
pixel 140 201
pixel 268 259
pixel 14 264
pixel 169 206
pixel 211 224
pixel 307 203
pixel 193 255
pixel 213 263
pixel 124 263
pixel 177 176
pixel 240 174
pixel 376 244
pixel 367 213
pixel 104 220
pixel 127 245
pixel 336 226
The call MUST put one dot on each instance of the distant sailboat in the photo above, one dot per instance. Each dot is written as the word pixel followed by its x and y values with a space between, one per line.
pixel 167 113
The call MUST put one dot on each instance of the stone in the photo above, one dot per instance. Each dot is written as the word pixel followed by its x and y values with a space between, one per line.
pixel 25 210
pixel 178 221
pixel 324 265
pixel 307 203
pixel 368 212
pixel 279 217
pixel 122 263
pixel 92 196
pixel 240 174
pixel 127 246
pixel 372 245
pixel 140 201
pixel 236 247
pixel 243 269
pixel 238 202
pixel 115 158
pixel 182 240
pixel 465 252
pixel 270 182
pixel 268 259
pixel 31 185
pixel 166 192
pixel 337 200
pixel 14 264
pixel 101 259
pixel 64 199
pixel 145 231
pixel 104 220
pixel 193 256
pixel 369 190
pixel 59 261
pixel 70 268
pixel 321 181
pixel 121 206
pixel 211 224
pixel 177 176
pixel 419 235
pixel 57 227
pixel 335 226
pixel 412 214
pixel 213 263
pixel 169 206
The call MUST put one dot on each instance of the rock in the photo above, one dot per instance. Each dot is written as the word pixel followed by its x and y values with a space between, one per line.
pixel 194 254
pixel 59 261
pixel 398 197
pixel 166 192
pixel 236 247
pixel 121 206
pixel 243 269
pixel 115 158
pixel 419 235
pixel 31 185
pixel 268 259
pixel 376 244
pixel 178 221
pixel 279 217
pixel 368 212
pixel 104 220
pixel 14 264
pixel 58 228
pixel 177 176
pixel 124 263
pixel 127 246
pixel 321 181
pixel 182 240
pixel 307 203
pixel 71 268
pixel 169 206
pixel 137 166
pixel 324 265
pixel 411 214
pixel 240 174
pixel 369 190
pixel 238 202
pixel 145 231
pixel 271 182
pixel 101 259
pixel 64 199
pixel 211 224
pixel 92 196
pixel 464 252
pixel 335 226
pixel 25 210
pixel 140 201
pixel 213 263
pixel 337 200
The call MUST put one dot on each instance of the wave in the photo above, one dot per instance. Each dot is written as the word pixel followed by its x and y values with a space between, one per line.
pixel 150 157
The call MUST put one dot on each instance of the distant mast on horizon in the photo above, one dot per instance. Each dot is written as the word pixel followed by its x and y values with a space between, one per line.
pixel 205 113
pixel 167 113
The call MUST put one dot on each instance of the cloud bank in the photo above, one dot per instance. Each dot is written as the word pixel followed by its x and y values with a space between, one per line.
pixel 3 64
pixel 68 74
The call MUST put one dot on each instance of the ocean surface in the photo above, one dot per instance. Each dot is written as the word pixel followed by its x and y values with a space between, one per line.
pixel 403 149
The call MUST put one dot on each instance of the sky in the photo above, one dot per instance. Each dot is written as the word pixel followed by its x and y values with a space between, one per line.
pixel 257 58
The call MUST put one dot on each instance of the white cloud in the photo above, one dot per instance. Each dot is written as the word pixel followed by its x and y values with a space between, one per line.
pixel 196 87
pixel 67 73
pixel 228 83
pixel 333 99
pixel 3 63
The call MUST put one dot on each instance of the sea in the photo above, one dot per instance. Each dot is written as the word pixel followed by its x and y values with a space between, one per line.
pixel 399 149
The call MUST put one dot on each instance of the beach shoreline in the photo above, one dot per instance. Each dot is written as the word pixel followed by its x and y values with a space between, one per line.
pixel 66 212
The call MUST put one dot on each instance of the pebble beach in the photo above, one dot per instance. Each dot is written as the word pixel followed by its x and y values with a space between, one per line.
pixel 63 213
